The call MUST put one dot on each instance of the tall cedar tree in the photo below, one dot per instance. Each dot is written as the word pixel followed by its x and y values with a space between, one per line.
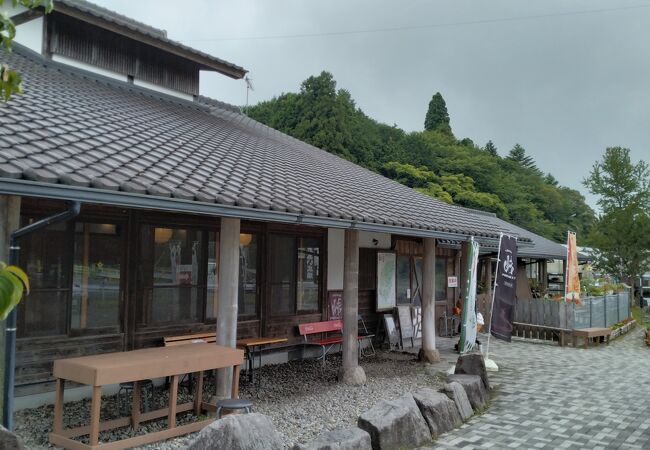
pixel 437 118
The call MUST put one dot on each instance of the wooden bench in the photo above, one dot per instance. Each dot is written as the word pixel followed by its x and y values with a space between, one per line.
pixel 543 332
pixel 326 343
pixel 196 338
pixel 589 333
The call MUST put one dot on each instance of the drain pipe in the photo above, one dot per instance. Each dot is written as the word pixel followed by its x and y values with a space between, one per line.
pixel 10 331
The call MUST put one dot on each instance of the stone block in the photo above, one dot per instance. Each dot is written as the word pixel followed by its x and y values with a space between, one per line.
pixel 473 364
pixel 456 392
pixel 395 424
pixel 344 439
pixel 239 432
pixel 473 388
pixel 440 413
pixel 9 441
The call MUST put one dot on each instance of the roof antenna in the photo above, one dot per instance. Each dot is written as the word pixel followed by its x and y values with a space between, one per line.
pixel 249 87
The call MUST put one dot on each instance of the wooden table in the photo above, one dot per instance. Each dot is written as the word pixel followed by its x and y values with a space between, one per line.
pixel 252 345
pixel 589 333
pixel 114 368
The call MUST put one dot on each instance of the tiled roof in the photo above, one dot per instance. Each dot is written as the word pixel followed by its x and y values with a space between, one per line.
pixel 541 247
pixel 124 22
pixel 96 135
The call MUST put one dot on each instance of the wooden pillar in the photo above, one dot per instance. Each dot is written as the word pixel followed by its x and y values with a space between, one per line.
pixel 543 275
pixel 9 222
pixel 428 352
pixel 228 292
pixel 351 372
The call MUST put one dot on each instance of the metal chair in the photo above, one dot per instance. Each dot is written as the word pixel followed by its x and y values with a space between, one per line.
pixel 234 404
pixel 145 385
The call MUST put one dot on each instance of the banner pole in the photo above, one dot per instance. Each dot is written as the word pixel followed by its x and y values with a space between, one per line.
pixel 487 350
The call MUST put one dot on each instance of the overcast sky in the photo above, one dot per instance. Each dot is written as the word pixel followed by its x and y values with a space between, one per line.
pixel 564 78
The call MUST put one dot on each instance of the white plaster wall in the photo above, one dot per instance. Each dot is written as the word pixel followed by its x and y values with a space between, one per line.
pixel 88 67
pixel 164 90
pixel 335 249
pixel 30 34
pixel 366 240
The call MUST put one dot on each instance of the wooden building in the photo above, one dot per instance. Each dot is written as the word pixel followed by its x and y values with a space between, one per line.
pixel 188 207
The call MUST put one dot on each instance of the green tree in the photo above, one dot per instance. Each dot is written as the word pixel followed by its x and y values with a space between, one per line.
pixel 437 118
pixel 491 148
pixel 10 80
pixel 518 155
pixel 618 181
pixel 621 235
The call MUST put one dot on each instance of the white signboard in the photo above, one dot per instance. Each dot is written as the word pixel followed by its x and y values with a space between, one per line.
pixel 385 280
pixel 452 282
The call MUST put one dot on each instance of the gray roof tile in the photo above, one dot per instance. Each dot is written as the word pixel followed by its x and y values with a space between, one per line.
pixel 115 138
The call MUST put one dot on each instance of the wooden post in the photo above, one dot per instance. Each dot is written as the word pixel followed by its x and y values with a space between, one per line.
pixel 351 372
pixel 95 408
pixel 488 292
pixel 9 222
pixel 198 394
pixel 173 402
pixel 428 352
pixel 58 406
pixel 228 292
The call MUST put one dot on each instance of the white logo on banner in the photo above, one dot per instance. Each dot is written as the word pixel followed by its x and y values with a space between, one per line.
pixel 508 265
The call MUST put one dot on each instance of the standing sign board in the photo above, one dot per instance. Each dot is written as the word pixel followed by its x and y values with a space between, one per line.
pixel 391 330
pixel 505 288
pixel 405 323
pixel 386 262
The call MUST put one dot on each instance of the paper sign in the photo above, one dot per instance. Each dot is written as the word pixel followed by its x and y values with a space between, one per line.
pixel 452 282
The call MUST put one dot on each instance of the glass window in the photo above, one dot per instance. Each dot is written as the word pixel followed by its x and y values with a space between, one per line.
pixel 173 284
pixel 96 276
pixel 45 257
pixel 441 278
pixel 294 274
pixel 247 276
pixel 416 282
pixel 403 273
pixel 248 261
pixel 308 274
pixel 282 274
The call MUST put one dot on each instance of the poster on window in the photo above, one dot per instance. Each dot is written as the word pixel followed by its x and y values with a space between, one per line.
pixel 468 318
pixel 335 305
pixel 386 262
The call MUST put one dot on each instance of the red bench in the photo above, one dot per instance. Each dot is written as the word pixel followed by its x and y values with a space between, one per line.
pixel 326 343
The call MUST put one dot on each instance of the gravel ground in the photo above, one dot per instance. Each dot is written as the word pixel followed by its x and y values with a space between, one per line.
pixel 302 398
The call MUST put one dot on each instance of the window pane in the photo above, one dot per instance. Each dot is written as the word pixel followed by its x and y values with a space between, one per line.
pixel 282 262
pixel 96 276
pixel 308 274
pixel 173 289
pixel 416 284
pixel 441 278
pixel 247 275
pixel 44 257
pixel 403 278
pixel 212 302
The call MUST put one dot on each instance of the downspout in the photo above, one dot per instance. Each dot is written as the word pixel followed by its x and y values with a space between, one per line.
pixel 10 331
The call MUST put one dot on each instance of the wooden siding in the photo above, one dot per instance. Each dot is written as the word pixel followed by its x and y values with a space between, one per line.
pixel 84 42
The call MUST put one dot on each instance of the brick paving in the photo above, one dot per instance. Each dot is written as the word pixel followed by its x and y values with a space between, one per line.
pixel 549 397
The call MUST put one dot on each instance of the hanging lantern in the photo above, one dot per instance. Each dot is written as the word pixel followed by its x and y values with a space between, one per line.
pixel 162 235
pixel 245 239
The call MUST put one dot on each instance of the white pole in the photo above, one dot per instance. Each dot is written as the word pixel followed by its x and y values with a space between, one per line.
pixel 494 288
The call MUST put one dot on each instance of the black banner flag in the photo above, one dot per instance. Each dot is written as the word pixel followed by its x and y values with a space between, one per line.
pixel 505 287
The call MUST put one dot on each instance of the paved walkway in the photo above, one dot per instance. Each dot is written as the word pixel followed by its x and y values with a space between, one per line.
pixel 552 398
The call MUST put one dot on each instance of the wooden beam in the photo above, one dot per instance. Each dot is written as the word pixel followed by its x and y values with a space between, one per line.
pixel 58 406
pixel 173 400
pixel 228 293
pixel 95 408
